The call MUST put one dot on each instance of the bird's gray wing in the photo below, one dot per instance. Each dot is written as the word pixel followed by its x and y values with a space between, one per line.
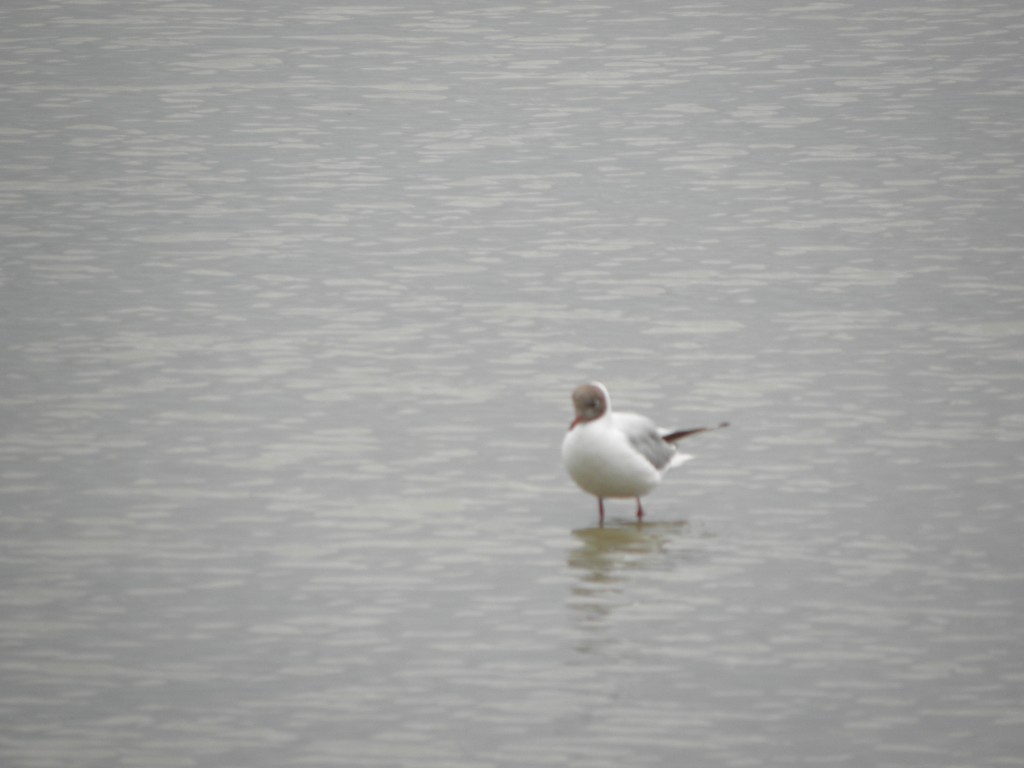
pixel 645 437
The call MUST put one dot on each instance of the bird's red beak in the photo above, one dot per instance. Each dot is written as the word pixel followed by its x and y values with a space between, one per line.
pixel 574 423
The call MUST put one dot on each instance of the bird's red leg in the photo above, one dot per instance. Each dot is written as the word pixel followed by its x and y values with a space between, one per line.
pixel 600 511
pixel 639 510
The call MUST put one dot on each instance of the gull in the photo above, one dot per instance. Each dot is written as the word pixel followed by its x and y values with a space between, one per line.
pixel 618 455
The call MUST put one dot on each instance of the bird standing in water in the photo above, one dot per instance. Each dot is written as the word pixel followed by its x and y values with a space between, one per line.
pixel 615 455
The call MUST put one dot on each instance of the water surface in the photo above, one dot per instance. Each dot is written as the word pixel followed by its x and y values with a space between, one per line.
pixel 293 299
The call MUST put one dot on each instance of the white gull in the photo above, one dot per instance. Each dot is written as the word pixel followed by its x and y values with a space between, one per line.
pixel 615 455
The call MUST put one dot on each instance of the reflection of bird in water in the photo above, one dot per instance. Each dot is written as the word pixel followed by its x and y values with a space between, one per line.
pixel 606 550
pixel 604 559
pixel 618 455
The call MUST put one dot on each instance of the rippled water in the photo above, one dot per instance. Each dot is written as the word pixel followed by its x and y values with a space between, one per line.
pixel 293 298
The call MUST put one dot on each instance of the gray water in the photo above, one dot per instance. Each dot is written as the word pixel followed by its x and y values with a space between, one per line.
pixel 293 299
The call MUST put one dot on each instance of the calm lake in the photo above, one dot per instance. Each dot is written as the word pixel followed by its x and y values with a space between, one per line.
pixel 293 298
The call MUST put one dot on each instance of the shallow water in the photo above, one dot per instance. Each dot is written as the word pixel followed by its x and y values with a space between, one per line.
pixel 293 300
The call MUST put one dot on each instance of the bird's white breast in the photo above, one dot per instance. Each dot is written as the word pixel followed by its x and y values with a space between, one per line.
pixel 601 461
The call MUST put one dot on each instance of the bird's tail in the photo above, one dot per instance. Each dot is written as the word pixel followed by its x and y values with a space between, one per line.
pixel 680 458
pixel 672 437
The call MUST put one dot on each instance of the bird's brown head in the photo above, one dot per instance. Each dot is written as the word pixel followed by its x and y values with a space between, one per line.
pixel 590 402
